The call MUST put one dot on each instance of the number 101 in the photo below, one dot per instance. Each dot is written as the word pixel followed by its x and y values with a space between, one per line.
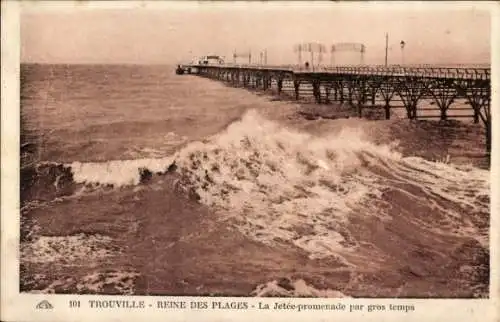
pixel 74 303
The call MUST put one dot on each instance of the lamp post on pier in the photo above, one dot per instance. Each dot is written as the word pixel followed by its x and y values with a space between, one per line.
pixel 386 46
pixel 402 44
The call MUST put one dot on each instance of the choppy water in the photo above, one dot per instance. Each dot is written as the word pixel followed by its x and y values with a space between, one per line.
pixel 116 135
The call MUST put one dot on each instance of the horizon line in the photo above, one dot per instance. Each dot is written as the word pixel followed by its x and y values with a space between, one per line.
pixel 173 64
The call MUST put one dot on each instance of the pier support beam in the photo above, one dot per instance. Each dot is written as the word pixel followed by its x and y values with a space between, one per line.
pixel 258 81
pixel 350 90
pixel 387 91
pixel 488 134
pixel 266 82
pixel 279 85
pixel 316 91
pixel 269 81
pixel 444 94
pixel 411 91
pixel 478 94
pixel 387 109
pixel 296 86
pixel 237 78
pixel 362 84
pixel 360 90
pixel 476 115
pixel 373 93
pixel 328 89
pixel 338 85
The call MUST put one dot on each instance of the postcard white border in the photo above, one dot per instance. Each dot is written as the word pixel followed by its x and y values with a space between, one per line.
pixel 21 307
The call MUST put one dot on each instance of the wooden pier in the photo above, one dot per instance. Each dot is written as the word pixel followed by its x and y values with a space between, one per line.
pixel 366 87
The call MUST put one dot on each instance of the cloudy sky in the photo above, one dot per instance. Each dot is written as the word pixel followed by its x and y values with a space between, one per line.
pixel 174 32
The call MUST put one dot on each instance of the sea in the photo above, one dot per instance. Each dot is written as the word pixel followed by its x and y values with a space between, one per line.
pixel 135 180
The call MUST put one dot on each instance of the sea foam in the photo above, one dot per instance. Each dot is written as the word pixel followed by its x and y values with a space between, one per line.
pixel 280 185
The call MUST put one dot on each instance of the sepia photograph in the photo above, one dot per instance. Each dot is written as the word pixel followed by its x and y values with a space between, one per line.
pixel 260 149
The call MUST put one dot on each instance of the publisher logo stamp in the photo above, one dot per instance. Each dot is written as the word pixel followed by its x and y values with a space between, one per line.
pixel 44 305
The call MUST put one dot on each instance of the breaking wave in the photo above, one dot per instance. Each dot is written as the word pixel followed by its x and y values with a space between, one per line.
pixel 286 186
pixel 281 186
pixel 46 249
pixel 288 288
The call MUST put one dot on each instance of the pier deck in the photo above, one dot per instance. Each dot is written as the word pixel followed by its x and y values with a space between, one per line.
pixel 364 87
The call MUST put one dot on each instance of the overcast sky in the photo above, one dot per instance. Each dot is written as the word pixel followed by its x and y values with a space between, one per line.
pixel 177 32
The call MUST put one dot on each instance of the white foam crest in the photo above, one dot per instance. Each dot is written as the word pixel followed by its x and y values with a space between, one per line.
pixel 462 185
pixel 297 288
pixel 121 281
pixel 116 172
pixel 465 189
pixel 282 184
pixel 69 249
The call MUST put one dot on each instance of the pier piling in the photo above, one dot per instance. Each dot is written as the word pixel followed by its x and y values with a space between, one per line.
pixel 360 86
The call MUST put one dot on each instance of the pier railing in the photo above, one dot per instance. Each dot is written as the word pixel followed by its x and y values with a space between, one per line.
pixel 456 72
pixel 365 86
